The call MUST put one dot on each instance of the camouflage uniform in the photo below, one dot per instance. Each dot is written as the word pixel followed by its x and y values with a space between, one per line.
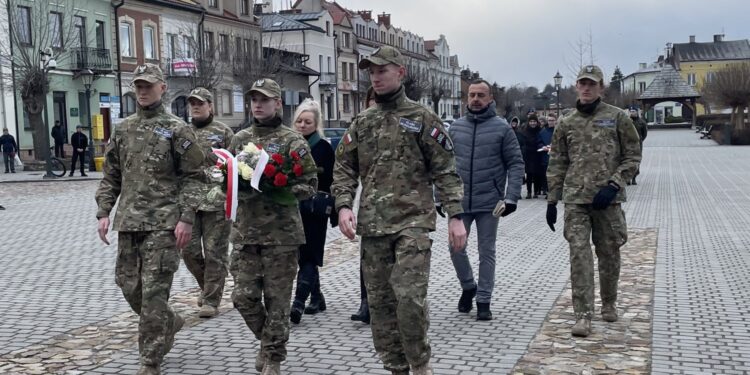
pixel 211 228
pixel 266 237
pixel 587 153
pixel 154 167
pixel 642 128
pixel 398 149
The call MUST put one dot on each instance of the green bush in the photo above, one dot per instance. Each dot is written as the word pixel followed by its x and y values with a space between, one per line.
pixel 673 120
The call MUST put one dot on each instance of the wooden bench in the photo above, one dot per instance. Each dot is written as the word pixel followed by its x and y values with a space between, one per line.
pixel 706 133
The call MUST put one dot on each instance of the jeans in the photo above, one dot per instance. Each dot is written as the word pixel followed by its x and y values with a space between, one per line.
pixel 9 162
pixel 77 156
pixel 486 235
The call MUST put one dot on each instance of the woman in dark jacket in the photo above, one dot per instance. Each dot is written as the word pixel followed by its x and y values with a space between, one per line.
pixel 534 157
pixel 315 213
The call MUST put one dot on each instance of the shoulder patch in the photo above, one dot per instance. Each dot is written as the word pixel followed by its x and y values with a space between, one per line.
pixel 186 144
pixel 347 139
pixel 301 152
pixel 410 125
pixel 442 139
pixel 166 133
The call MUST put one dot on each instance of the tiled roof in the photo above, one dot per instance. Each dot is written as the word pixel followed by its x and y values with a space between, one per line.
pixel 727 50
pixel 668 84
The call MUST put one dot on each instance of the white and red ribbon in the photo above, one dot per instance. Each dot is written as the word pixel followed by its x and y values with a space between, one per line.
pixel 226 158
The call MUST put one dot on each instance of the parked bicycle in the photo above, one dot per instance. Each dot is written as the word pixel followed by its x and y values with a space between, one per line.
pixel 57 166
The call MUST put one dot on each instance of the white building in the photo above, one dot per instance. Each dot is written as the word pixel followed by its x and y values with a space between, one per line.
pixel 446 75
pixel 638 81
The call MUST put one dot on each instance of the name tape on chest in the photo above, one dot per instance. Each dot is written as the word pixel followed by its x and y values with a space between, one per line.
pixel 273 148
pixel 215 138
pixel 442 139
pixel 410 125
pixel 166 133
pixel 605 123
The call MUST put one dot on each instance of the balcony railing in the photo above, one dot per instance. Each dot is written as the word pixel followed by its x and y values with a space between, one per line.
pixel 327 78
pixel 96 59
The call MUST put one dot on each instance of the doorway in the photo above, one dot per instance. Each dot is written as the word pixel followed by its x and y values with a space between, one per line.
pixel 59 112
pixel 179 108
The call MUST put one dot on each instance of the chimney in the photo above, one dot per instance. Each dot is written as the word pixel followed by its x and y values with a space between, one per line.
pixel 641 66
pixel 384 19
pixel 263 8
pixel 718 38
pixel 692 39
pixel 366 14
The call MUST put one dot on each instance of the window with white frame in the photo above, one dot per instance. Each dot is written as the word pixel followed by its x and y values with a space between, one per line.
pixel 23 14
pixel 347 105
pixel 149 43
pixel 226 102
pixel 343 71
pixel 691 79
pixel 126 40
pixel 55 29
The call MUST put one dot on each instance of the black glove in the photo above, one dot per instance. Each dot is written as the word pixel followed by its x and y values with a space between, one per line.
pixel 605 196
pixel 439 210
pixel 322 203
pixel 509 209
pixel 551 215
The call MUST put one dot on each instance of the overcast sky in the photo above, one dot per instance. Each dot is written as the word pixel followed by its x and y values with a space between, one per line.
pixel 527 41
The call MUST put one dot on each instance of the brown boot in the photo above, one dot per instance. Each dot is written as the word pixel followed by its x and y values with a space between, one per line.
pixel 208 311
pixel 582 328
pixel 609 312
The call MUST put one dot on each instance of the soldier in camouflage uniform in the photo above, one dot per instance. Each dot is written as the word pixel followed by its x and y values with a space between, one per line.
pixel 398 149
pixel 594 152
pixel 266 235
pixel 211 228
pixel 154 166
pixel 642 129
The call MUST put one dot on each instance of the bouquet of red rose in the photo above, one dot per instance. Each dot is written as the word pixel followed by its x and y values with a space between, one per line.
pixel 254 169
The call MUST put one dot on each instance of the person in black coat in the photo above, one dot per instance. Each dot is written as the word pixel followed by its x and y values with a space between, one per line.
pixel 58 135
pixel 533 157
pixel 80 142
pixel 315 213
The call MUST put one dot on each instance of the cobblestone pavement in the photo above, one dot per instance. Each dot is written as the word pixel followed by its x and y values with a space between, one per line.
pixel 59 284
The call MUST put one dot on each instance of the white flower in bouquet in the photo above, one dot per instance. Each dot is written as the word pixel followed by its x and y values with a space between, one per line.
pixel 215 175
pixel 245 171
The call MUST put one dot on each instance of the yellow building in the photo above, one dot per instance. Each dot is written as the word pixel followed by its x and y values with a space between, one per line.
pixel 697 62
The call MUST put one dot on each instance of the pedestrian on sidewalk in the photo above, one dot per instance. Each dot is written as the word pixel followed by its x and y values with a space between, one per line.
pixel 153 166
pixel 399 149
pixel 315 212
pixel 80 142
pixel 266 235
pixel 546 135
pixel 206 256
pixel 10 148
pixel 487 156
pixel 534 157
pixel 642 128
pixel 363 313
pixel 58 136
pixel 594 152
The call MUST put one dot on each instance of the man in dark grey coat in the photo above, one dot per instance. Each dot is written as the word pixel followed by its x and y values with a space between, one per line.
pixel 487 154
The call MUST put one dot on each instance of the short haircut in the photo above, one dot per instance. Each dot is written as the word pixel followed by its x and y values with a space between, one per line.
pixel 309 105
pixel 479 81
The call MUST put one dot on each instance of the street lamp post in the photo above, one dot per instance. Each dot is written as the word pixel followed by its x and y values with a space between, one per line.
pixel 87 76
pixel 328 93
pixel 47 63
pixel 558 81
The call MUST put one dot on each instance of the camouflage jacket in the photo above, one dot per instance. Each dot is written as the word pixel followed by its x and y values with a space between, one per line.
pixel 212 135
pixel 398 149
pixel 154 167
pixel 588 151
pixel 260 220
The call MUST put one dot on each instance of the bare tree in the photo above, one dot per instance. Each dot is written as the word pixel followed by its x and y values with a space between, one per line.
pixel 209 60
pixel 438 90
pixel 416 84
pixel 36 33
pixel 250 66
pixel 581 54
pixel 730 87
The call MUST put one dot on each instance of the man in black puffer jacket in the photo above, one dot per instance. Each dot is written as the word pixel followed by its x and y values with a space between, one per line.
pixel 487 154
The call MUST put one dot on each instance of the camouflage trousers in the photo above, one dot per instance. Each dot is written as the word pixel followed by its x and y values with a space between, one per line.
pixel 608 230
pixel 146 263
pixel 206 254
pixel 396 270
pixel 263 278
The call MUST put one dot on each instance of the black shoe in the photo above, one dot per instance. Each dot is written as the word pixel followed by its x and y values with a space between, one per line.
pixel 465 303
pixel 296 314
pixel 71 174
pixel 363 314
pixel 316 305
pixel 528 196
pixel 84 175
pixel 483 311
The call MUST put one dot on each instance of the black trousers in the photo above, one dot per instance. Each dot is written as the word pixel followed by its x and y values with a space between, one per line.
pixel 60 151
pixel 76 156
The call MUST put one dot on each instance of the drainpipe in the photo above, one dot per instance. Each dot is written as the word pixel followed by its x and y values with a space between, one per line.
pixel 200 35
pixel 117 45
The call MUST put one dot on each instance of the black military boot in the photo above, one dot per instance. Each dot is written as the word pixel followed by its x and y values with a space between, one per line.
pixel 466 302
pixel 363 314
pixel 295 315
pixel 317 301
pixel 483 311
